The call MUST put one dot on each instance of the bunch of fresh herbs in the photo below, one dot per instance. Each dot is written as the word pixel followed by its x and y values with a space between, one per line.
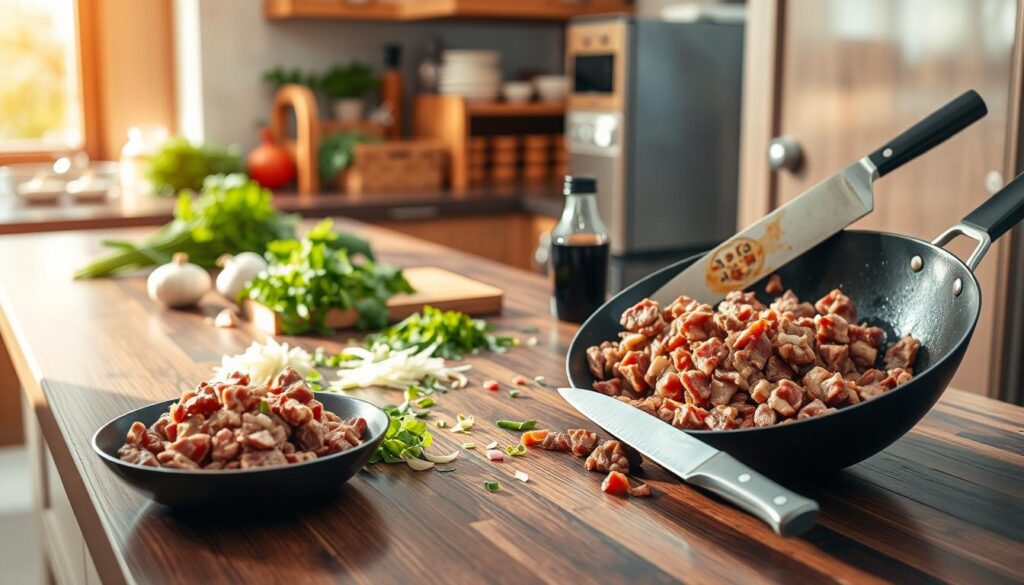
pixel 232 215
pixel 179 164
pixel 453 332
pixel 406 438
pixel 308 277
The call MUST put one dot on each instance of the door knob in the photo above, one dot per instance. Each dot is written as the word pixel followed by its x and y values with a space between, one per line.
pixel 784 153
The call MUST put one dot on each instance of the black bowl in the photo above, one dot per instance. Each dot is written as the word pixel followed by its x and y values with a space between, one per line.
pixel 873 268
pixel 296 482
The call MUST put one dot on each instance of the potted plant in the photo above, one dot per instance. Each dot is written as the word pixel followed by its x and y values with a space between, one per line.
pixel 279 77
pixel 345 86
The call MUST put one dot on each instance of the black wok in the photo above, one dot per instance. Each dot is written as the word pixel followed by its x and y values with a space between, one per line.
pixel 938 301
pixel 288 484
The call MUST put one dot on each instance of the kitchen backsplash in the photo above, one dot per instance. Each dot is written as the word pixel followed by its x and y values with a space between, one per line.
pixel 236 44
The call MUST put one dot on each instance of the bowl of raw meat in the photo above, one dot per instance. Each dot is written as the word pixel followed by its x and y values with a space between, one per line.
pixel 816 367
pixel 233 442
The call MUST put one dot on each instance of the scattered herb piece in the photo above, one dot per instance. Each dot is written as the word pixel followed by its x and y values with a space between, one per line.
pixel 445 469
pixel 521 476
pixel 405 438
pixel 469 445
pixel 492 486
pixel 441 424
pixel 491 385
pixel 426 402
pixel 514 425
pixel 464 424
pixel 539 380
pixel 530 329
pixel 450 333
pixel 513 393
pixel 421 413
pixel 264 407
pixel 515 450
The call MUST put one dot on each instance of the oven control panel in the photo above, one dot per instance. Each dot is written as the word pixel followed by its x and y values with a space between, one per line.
pixel 594 132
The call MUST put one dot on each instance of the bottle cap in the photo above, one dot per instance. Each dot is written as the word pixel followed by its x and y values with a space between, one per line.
pixel 576 185
pixel 393 56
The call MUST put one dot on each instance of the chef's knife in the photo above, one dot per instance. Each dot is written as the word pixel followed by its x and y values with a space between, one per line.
pixel 696 462
pixel 817 214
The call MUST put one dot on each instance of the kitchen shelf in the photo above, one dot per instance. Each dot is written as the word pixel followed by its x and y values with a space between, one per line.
pixel 499 109
pixel 411 10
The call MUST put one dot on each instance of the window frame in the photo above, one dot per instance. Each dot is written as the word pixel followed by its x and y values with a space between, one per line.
pixel 88 80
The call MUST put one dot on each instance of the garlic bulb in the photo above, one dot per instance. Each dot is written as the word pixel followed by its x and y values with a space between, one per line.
pixel 178 284
pixel 237 271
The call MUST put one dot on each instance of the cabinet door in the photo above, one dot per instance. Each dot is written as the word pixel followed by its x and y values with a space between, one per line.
pixel 850 74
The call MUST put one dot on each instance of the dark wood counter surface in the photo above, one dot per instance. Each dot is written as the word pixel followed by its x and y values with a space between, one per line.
pixel 942 504
pixel 17 217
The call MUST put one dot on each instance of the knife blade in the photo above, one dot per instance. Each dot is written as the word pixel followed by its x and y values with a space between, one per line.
pixel 696 462
pixel 817 214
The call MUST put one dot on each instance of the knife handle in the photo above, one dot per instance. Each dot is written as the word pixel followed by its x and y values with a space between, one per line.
pixel 930 132
pixel 788 514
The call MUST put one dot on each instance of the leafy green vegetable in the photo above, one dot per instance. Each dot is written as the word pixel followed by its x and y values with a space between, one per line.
pixel 232 215
pixel 179 164
pixel 453 332
pixel 405 438
pixel 336 152
pixel 514 425
pixel 347 81
pixel 279 77
pixel 309 277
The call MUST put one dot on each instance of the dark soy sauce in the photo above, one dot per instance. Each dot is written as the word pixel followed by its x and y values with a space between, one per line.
pixel 580 269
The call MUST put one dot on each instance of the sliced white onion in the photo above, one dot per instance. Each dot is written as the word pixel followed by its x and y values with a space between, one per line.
pixel 419 464
pixel 382 367
pixel 441 458
pixel 521 476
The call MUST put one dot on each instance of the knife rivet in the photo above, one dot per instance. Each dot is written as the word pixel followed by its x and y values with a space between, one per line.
pixel 887 152
pixel 780 500
pixel 743 478
pixel 958 287
pixel 916 263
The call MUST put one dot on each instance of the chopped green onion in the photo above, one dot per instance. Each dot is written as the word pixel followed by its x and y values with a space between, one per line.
pixel 264 407
pixel 492 486
pixel 513 393
pixel 421 413
pixel 514 425
pixel 469 445
pixel 445 469
pixel 539 380
pixel 515 450
pixel 441 424
pixel 464 424
pixel 412 393
pixel 530 329
pixel 426 402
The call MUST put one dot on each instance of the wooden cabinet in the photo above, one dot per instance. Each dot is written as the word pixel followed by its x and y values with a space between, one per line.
pixel 840 78
pixel 433 9
pixel 508 238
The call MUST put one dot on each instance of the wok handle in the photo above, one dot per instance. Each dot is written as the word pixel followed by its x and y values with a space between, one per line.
pixel 788 514
pixel 1001 211
pixel 930 132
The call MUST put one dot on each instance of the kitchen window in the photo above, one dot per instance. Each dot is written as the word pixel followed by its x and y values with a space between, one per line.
pixel 41 98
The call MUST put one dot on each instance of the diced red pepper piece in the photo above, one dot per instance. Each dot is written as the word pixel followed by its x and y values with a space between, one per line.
pixel 491 385
pixel 520 381
pixel 536 437
pixel 615 484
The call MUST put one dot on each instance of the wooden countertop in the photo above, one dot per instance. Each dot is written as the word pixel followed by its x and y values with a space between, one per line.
pixel 943 503
pixel 17 217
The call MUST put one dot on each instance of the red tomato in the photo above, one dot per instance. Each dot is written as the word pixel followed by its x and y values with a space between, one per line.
pixel 270 164
pixel 615 484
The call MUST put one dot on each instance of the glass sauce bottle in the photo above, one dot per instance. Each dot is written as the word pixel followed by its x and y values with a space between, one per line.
pixel 579 253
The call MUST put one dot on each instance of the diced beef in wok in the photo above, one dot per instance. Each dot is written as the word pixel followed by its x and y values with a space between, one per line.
pixel 235 425
pixel 742 364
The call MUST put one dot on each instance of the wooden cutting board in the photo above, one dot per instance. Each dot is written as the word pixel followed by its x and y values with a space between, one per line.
pixel 434 286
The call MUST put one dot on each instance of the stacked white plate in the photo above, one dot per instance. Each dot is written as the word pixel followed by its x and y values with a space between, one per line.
pixel 474 75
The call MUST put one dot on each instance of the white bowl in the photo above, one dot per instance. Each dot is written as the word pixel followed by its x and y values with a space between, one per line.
pixel 517 92
pixel 471 56
pixel 551 88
